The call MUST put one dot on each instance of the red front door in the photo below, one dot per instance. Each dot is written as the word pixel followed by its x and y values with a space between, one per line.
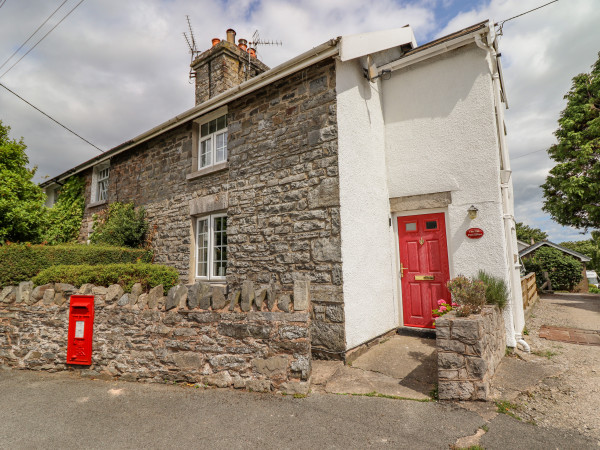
pixel 424 266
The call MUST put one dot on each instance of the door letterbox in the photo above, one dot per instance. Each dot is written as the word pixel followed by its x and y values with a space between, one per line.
pixel 81 329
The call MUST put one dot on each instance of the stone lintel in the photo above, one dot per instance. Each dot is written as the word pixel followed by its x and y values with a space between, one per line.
pixel 208 204
pixel 423 201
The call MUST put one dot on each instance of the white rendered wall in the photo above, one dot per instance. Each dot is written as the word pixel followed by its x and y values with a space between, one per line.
pixel 367 238
pixel 440 135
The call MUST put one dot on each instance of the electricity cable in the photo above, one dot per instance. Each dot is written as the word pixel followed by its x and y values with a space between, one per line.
pixel 43 37
pixel 32 34
pixel 526 12
pixel 52 118
pixel 527 154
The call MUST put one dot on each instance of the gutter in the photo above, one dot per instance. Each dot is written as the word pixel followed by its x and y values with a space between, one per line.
pixel 308 58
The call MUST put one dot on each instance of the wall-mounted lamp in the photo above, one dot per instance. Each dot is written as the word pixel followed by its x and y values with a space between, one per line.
pixel 472 212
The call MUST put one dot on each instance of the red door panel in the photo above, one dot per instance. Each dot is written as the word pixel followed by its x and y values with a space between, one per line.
pixel 425 269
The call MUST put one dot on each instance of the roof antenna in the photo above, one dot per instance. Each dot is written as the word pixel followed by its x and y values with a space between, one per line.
pixel 191 42
pixel 256 41
pixel 253 46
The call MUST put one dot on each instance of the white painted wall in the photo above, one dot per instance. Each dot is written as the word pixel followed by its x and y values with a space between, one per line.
pixel 367 238
pixel 440 135
pixel 427 128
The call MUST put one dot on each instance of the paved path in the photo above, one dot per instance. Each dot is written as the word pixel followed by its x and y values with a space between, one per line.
pixel 39 410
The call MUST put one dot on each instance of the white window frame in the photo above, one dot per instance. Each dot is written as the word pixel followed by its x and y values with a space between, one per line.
pixel 96 180
pixel 213 140
pixel 210 275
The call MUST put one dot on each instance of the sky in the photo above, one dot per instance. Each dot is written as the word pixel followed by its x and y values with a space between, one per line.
pixel 113 69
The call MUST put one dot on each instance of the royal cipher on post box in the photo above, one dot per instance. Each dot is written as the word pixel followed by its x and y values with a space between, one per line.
pixel 81 329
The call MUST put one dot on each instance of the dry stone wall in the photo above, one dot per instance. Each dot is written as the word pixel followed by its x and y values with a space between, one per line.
pixel 469 351
pixel 253 339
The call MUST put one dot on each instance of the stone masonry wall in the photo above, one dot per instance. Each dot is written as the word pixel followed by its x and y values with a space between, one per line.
pixel 195 335
pixel 282 186
pixel 283 217
pixel 469 351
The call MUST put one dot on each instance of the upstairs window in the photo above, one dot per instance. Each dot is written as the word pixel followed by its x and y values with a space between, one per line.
pixel 103 184
pixel 212 146
pixel 100 178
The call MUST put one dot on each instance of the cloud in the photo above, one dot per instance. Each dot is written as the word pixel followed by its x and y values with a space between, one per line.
pixel 541 52
pixel 115 69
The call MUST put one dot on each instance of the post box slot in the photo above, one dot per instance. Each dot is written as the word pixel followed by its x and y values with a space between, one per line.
pixel 79 310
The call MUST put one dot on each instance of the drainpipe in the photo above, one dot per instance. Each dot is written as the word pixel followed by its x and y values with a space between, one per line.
pixel 514 313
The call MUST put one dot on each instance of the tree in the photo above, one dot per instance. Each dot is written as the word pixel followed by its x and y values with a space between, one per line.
pixel 572 189
pixel 525 233
pixel 590 247
pixel 564 270
pixel 22 212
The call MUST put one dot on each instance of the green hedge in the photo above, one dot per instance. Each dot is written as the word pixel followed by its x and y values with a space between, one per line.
pixel 21 262
pixel 149 275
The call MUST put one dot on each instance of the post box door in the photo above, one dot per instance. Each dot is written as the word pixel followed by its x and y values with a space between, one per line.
pixel 81 329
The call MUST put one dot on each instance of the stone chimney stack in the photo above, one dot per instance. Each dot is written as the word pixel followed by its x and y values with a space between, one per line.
pixel 224 66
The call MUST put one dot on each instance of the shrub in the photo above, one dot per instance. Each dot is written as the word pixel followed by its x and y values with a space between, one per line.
pixel 64 218
pixel 469 294
pixel 21 262
pixel 594 290
pixel 149 275
pixel 496 290
pixel 121 224
pixel 564 270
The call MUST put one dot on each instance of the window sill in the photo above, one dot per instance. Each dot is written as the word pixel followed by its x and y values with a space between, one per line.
pixel 95 204
pixel 207 170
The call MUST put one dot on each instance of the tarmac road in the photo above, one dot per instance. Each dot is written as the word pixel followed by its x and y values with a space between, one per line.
pixel 41 410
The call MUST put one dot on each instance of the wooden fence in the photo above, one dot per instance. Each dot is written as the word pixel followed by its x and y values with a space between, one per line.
pixel 529 289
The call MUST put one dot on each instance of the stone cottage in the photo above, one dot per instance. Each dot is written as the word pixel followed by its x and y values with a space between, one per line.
pixel 373 167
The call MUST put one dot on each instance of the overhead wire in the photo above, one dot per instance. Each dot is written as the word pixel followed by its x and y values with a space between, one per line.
pixel 527 154
pixel 52 118
pixel 32 34
pixel 501 23
pixel 43 37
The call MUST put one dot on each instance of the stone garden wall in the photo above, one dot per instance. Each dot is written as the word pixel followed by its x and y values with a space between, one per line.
pixel 253 339
pixel 469 351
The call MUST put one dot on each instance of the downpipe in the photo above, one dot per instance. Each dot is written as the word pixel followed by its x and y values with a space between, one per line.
pixel 515 337
pixel 524 345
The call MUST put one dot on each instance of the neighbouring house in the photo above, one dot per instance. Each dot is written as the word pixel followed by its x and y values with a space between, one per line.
pixel 583 285
pixel 373 167
pixel 522 244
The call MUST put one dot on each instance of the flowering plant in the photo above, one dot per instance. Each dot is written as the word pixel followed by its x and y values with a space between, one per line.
pixel 443 308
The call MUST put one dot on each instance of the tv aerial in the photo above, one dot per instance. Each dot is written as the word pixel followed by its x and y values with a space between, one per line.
pixel 193 48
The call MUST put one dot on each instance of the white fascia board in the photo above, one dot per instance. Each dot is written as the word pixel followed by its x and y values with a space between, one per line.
pixel 433 51
pixel 357 45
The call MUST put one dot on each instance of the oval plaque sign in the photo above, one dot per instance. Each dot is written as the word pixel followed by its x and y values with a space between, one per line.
pixel 474 233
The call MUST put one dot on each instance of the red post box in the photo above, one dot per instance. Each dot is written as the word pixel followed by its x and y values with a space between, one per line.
pixel 81 329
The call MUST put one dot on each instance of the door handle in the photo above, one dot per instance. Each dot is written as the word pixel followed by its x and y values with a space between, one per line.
pixel 402 269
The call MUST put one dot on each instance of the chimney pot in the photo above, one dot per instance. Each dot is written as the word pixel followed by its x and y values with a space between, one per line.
pixel 242 44
pixel 252 52
pixel 231 36
pixel 215 41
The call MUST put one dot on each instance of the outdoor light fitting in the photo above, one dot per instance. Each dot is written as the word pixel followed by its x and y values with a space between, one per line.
pixel 472 212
